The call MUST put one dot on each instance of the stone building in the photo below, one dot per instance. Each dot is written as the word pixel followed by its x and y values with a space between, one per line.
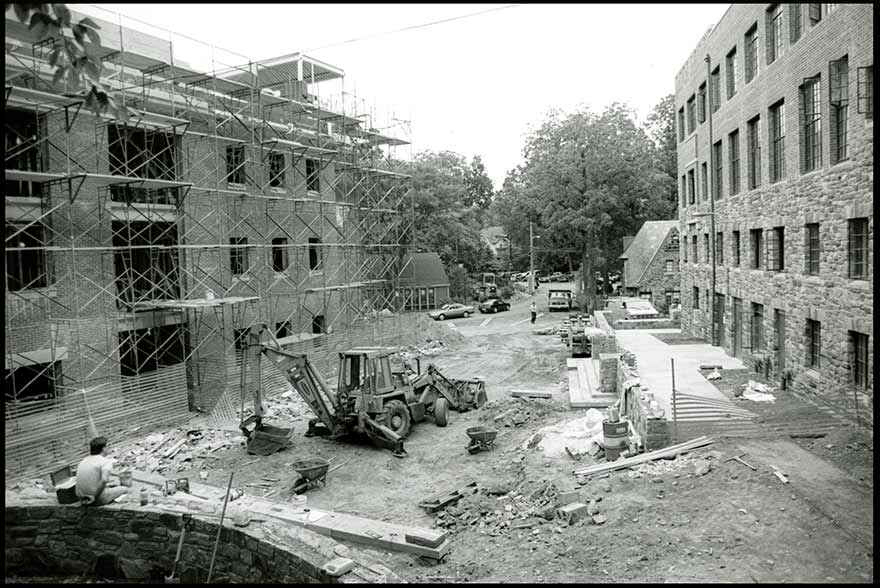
pixel 650 265
pixel 774 122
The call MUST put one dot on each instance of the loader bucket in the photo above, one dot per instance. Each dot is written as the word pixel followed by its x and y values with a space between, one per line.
pixel 266 440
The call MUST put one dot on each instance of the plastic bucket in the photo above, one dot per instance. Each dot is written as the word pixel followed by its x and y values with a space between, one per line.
pixel 616 437
pixel 125 478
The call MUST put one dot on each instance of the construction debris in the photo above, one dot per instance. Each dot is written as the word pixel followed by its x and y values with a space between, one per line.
pixel 668 452
pixel 757 392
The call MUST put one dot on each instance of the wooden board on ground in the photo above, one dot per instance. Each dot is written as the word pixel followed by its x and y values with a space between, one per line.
pixel 530 394
pixel 438 501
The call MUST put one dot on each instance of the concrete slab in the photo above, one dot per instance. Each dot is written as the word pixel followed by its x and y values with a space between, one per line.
pixel 654 365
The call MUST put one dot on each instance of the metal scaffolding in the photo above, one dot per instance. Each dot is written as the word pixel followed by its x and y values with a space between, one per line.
pixel 237 193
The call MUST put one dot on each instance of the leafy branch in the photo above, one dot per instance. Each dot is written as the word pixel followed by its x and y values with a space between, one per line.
pixel 72 56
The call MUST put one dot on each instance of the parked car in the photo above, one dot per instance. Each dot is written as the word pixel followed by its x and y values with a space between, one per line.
pixel 494 305
pixel 559 300
pixel 558 277
pixel 451 310
pixel 543 279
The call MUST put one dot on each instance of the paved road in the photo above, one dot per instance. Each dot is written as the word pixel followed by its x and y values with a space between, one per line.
pixel 515 319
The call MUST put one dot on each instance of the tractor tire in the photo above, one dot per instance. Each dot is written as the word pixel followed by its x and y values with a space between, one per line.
pixel 442 317
pixel 397 417
pixel 441 412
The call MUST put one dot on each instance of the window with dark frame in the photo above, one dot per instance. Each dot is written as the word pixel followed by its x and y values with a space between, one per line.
pixel 858 343
pixel 717 178
pixel 26 266
pixel 775 47
pixel 146 261
pixel 235 164
pixel 730 72
pixel 318 326
pixel 701 103
pixel 683 188
pixel 704 180
pixel 838 84
pixel 733 156
pixel 238 261
pixel 32 383
pixel 865 91
pixel 692 186
pixel 706 252
pixel 682 133
pixel 315 259
pixel 276 170
pixel 811 125
pixel 777 141
pixel 313 176
pixel 715 89
pixel 815 14
pixel 858 247
pixel 670 266
pixel 282 329
pixel 142 153
pixel 751 53
pixel 811 249
pixel 694 249
pixel 696 297
pixel 754 153
pixel 795 23
pixel 24 150
pixel 719 248
pixel 279 254
pixel 776 249
pixel 813 343
pixel 240 338
pixel 736 251
pixel 146 350
pixel 756 244
pixel 757 326
pixel 692 114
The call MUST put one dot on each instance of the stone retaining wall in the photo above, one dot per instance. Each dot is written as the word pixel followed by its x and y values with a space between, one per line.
pixel 140 544
pixel 606 343
pixel 646 416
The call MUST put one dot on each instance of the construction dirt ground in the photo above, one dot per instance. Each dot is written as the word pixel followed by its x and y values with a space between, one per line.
pixel 696 518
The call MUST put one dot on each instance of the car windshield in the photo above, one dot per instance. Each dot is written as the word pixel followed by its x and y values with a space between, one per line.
pixel 492 301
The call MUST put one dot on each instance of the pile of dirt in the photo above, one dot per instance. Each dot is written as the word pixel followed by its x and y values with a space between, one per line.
pixel 433 330
pixel 173 451
pixel 515 412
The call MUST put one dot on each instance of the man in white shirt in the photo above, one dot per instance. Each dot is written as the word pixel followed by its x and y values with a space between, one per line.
pixel 93 476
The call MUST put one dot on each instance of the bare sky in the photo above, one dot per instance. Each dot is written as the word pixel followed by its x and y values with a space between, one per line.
pixel 473 85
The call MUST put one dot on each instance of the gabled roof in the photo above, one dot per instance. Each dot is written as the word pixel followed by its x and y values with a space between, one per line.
pixel 425 269
pixel 643 249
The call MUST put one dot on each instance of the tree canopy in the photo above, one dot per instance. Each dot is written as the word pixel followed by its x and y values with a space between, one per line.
pixel 588 180
pixel 449 197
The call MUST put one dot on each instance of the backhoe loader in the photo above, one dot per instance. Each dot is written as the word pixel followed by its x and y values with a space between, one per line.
pixel 371 398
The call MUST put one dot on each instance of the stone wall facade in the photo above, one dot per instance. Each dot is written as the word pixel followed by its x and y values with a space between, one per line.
pixel 659 278
pixel 832 195
pixel 141 545
pixel 647 418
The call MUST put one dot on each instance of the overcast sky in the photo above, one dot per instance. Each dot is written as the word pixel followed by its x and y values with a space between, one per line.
pixel 474 85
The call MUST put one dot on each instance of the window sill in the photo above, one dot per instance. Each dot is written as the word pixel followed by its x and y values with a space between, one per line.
pixel 814 280
pixel 280 275
pixel 860 284
pixel 277 189
pixel 236 186
pixel 240 279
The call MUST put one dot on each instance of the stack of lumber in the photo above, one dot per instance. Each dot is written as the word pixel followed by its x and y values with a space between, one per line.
pixel 620 464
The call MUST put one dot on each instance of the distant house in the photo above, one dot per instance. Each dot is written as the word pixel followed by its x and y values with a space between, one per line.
pixel 498 242
pixel 424 283
pixel 650 265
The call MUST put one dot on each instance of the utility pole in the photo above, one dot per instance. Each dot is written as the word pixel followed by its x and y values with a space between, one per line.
pixel 531 259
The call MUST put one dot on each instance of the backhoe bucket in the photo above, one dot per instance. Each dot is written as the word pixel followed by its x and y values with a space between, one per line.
pixel 266 439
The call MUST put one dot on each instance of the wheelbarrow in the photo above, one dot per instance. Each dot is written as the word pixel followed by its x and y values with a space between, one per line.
pixel 312 471
pixel 482 438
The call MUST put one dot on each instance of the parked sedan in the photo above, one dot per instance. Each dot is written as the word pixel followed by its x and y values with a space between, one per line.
pixel 451 310
pixel 494 305
pixel 558 277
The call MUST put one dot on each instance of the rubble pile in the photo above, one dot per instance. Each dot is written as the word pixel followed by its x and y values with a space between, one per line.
pixel 173 451
pixel 526 507
pixel 515 412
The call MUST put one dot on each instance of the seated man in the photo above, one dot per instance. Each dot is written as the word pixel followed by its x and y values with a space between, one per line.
pixel 93 476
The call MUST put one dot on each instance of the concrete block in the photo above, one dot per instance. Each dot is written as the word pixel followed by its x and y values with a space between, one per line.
pixel 569 496
pixel 572 513
pixel 338 566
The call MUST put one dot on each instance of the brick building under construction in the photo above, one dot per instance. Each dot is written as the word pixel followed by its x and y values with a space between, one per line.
pixel 236 193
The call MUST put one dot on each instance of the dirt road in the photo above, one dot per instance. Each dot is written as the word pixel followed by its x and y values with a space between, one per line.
pixel 664 523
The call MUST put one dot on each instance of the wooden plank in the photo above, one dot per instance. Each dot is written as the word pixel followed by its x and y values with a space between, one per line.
pixel 643 458
pixel 530 394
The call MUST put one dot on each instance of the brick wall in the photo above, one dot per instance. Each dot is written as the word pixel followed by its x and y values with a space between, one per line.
pixel 830 196
pixel 48 540
pixel 606 343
